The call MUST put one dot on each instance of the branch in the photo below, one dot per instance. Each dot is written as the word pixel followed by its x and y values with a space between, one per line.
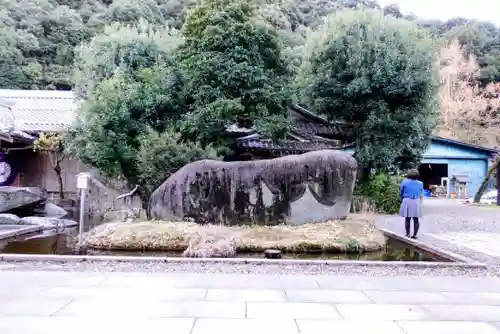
pixel 61 157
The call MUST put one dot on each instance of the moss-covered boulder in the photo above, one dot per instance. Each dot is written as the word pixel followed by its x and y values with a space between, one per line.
pixel 294 189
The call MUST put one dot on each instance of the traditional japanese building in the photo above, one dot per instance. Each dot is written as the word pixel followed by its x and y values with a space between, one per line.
pixel 308 132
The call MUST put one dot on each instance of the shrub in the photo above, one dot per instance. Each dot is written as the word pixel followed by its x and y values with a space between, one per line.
pixel 162 154
pixel 383 191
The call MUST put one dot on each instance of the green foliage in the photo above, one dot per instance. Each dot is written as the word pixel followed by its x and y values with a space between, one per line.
pixel 377 73
pixel 122 48
pixel 202 16
pixel 482 40
pixel 38 37
pixel 235 72
pixel 384 191
pixel 162 154
pixel 118 111
pixel 41 36
pixel 353 246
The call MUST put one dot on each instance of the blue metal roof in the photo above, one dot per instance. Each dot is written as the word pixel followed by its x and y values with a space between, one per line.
pixel 459 143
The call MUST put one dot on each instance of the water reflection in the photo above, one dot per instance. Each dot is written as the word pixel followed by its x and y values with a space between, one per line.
pixel 64 243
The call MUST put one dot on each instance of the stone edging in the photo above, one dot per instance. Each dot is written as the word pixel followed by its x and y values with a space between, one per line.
pixel 20 231
pixel 432 249
pixel 180 260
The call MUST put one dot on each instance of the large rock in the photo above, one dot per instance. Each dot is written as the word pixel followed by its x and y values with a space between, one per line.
pixel 9 219
pixel 55 211
pixel 49 223
pixel 12 198
pixel 296 189
pixel 121 215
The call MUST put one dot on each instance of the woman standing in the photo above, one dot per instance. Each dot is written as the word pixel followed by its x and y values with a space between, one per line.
pixel 412 192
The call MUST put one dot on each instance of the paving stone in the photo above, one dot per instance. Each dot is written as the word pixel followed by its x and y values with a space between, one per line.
pixel 473 298
pixel 21 291
pixel 298 282
pixel 291 311
pixel 327 296
pixel 87 308
pixel 205 281
pixel 389 283
pixel 483 242
pixel 62 278
pixel 407 297
pixel 380 312
pixel 245 326
pixel 457 284
pixel 116 293
pixel 32 306
pixel 246 295
pixel 446 327
pixel 464 312
pixel 62 325
pixel 495 324
pixel 347 326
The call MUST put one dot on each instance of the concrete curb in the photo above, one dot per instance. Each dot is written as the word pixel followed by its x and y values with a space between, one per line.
pixel 175 260
pixel 457 258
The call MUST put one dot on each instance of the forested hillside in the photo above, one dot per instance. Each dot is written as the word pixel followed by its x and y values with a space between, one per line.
pixel 38 37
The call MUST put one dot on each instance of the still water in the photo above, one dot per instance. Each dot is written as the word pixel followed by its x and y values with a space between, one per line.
pixel 64 243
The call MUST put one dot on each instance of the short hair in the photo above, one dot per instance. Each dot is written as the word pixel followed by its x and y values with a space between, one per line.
pixel 413 174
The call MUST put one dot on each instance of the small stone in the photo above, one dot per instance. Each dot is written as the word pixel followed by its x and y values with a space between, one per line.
pixel 272 254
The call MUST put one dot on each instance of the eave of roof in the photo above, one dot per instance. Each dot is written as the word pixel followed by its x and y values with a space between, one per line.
pixel 36 111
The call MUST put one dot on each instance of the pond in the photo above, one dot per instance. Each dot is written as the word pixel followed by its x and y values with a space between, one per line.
pixel 64 244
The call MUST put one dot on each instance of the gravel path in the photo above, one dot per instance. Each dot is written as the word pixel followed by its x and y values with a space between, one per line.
pixel 271 269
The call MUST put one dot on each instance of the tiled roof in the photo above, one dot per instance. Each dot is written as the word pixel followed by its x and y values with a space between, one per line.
pixel 41 110
pixel 286 145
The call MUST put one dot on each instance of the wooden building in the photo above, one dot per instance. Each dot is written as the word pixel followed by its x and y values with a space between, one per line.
pixel 24 114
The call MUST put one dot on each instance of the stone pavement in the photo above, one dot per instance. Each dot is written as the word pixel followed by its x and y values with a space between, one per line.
pixel 460 228
pixel 89 302
pixel 484 242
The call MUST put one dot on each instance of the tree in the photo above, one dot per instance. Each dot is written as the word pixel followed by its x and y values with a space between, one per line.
pixel 482 40
pixel 125 48
pixel 118 112
pixel 131 85
pixel 235 72
pixel 46 35
pixel 468 113
pixel 493 170
pixel 378 74
pixel 393 10
pixel 52 145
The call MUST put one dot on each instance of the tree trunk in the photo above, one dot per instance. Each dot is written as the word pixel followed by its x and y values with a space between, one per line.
pixel 498 181
pixel 144 196
pixel 484 184
pixel 57 169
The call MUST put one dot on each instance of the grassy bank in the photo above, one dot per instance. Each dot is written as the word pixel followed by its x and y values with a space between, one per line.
pixel 355 234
